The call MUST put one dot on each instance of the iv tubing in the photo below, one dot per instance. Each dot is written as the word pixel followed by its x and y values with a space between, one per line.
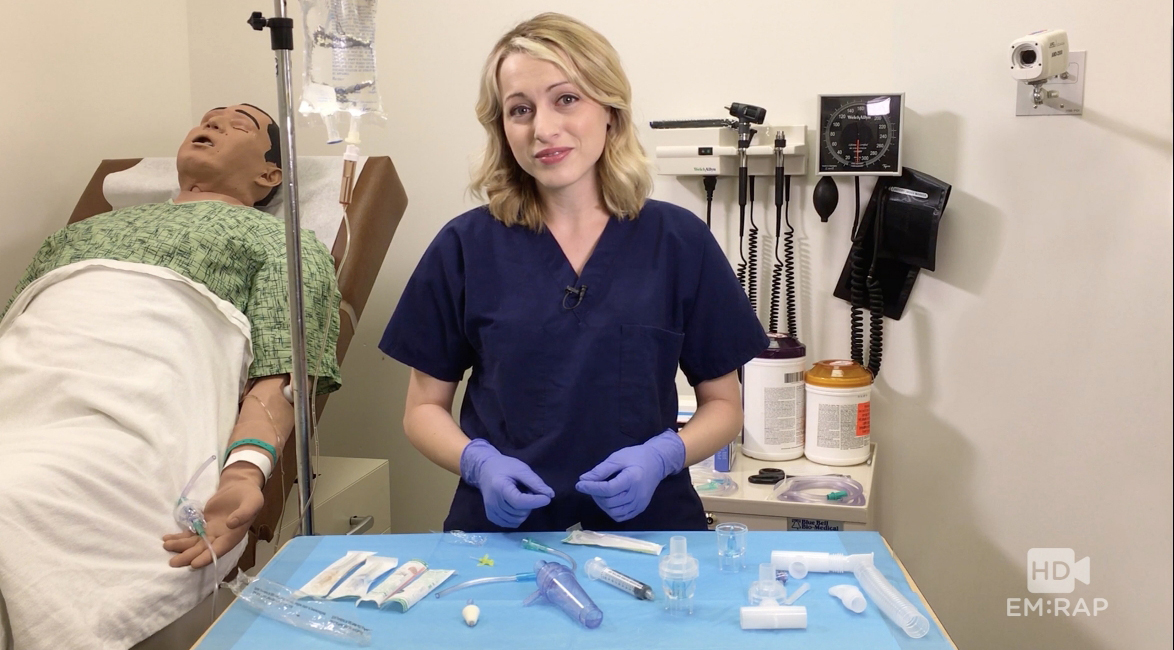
pixel 192 481
pixel 794 489
pixel 521 577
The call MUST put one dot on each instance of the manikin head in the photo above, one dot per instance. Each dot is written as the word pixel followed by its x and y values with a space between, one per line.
pixel 233 151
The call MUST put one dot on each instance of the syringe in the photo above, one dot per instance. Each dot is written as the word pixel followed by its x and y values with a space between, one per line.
pixel 597 570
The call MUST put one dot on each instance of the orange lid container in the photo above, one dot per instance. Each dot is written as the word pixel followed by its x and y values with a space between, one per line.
pixel 838 373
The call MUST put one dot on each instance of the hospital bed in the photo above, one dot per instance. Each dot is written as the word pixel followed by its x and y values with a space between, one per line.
pixel 377 206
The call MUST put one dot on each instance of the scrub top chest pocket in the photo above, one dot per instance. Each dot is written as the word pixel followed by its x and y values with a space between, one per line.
pixel 518 363
pixel 648 370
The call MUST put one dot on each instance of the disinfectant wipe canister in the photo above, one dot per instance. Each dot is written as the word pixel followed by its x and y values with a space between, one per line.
pixel 772 399
pixel 838 413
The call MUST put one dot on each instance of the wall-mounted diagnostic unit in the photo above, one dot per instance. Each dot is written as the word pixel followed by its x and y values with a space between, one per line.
pixel 714 151
pixel 860 135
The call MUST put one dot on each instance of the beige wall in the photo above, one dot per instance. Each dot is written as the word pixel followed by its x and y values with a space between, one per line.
pixel 1026 395
pixel 83 81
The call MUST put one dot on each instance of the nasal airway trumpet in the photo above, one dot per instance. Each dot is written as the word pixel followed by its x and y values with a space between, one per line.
pixel 557 584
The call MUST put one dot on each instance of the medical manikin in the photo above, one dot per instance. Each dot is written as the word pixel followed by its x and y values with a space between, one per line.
pixel 140 343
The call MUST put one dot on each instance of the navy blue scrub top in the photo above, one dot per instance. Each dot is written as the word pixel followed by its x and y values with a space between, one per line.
pixel 566 369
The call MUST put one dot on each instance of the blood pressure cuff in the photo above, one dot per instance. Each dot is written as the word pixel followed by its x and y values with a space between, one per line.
pixel 913 204
pixel 908 208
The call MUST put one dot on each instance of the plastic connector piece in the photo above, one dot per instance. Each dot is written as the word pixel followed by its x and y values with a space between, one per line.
pixel 851 597
pixel 767 611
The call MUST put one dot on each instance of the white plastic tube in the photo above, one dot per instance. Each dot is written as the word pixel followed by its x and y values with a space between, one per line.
pixel 773 617
pixel 891 603
pixel 798 564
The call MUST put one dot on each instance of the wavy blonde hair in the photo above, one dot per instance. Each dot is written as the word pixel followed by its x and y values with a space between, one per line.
pixel 592 65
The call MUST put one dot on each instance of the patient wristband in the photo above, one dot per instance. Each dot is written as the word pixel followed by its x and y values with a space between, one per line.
pixel 256 443
pixel 252 457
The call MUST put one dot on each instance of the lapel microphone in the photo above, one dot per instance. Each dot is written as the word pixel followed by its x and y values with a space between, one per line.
pixel 576 295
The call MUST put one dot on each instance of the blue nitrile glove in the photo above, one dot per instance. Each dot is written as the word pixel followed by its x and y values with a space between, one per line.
pixel 638 470
pixel 497 476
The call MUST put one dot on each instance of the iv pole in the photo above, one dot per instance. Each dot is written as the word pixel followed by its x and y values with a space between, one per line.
pixel 281 39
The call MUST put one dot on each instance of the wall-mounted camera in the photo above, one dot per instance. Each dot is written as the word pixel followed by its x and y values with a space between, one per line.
pixel 1039 55
pixel 1052 77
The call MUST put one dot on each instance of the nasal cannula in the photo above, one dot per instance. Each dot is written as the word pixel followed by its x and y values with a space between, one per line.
pixel 597 569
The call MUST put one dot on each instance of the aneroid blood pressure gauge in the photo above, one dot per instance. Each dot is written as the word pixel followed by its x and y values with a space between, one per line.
pixel 860 135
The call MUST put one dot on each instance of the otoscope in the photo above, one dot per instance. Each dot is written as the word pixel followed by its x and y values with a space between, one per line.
pixel 746 115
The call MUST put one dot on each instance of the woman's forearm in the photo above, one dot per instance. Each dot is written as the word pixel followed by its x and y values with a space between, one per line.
pixel 431 430
pixel 428 420
pixel 717 421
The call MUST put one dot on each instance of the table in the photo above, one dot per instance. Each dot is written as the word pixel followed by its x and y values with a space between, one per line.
pixel 751 503
pixel 628 623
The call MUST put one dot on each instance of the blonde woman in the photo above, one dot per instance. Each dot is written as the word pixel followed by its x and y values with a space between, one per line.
pixel 573 297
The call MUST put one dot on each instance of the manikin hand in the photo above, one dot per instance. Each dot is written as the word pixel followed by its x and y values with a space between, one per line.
pixel 498 476
pixel 637 471
pixel 228 515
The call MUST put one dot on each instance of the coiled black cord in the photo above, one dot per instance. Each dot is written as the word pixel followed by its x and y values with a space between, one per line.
pixel 741 248
pixel 752 247
pixel 866 289
pixel 789 262
pixel 776 278
pixel 786 265
pixel 859 275
pixel 876 299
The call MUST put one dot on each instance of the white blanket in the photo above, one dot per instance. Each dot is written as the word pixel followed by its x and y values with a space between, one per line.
pixel 116 381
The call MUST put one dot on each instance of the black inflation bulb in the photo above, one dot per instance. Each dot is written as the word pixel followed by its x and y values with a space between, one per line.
pixel 825 198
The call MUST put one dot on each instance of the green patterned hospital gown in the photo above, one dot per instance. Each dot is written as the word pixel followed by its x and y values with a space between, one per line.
pixel 238 253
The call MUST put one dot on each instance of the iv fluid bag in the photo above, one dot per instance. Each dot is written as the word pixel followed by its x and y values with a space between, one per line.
pixel 340 62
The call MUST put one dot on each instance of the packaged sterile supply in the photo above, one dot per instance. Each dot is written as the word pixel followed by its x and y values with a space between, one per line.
pixel 608 540
pixel 379 594
pixel 281 603
pixel 321 584
pixel 415 590
pixel 839 414
pixel 359 582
